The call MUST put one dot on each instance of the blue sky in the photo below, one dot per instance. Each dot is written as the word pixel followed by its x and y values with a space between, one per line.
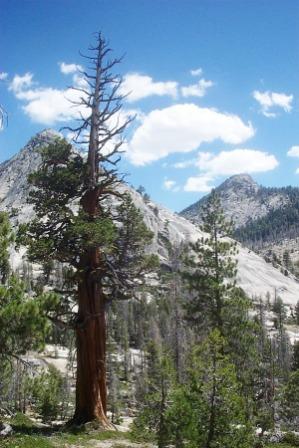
pixel 214 84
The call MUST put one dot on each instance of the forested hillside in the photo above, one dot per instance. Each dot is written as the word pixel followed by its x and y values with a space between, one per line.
pixel 265 219
pixel 280 223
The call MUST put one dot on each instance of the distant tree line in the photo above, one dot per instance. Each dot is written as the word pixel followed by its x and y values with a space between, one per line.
pixel 279 223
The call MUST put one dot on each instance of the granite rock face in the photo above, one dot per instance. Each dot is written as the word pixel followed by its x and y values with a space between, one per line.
pixel 242 199
pixel 255 276
pixel 14 173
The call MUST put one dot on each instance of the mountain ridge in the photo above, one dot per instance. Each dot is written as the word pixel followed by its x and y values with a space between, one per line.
pixel 255 276
pixel 242 200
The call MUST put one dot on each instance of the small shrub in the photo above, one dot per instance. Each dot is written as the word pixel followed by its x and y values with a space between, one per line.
pixel 47 393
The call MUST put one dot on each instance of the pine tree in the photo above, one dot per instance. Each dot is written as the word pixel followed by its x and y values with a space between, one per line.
pixel 77 223
pixel 6 239
pixel 289 405
pixel 295 357
pixel 211 274
pixel 23 325
pixel 216 303
pixel 208 411
pixel 151 422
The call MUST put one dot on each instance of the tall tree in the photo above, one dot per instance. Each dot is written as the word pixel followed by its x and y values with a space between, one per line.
pixel 212 269
pixel 208 409
pixel 79 222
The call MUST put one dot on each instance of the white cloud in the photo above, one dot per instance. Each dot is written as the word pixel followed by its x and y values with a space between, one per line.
pixel 47 105
pixel 185 163
pixel 67 69
pixel 227 163
pixel 200 184
pixel 170 185
pixel 236 161
pixel 199 89
pixel 293 151
pixel 3 76
pixel 183 128
pixel 21 82
pixel 138 86
pixel 273 100
pixel 196 72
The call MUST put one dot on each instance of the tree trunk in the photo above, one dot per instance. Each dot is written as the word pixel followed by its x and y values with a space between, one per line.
pixel 212 416
pixel 91 392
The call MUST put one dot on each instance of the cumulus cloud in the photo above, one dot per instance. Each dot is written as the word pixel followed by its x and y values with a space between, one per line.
pixel 138 86
pixel 21 82
pixel 47 105
pixel 236 161
pixel 185 164
pixel 200 184
pixel 68 69
pixel 293 151
pixel 170 185
pixel 199 89
pixel 273 100
pixel 228 163
pixel 3 76
pixel 196 72
pixel 183 128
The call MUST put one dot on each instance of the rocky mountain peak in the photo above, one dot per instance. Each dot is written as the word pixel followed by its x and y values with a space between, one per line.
pixel 242 199
pixel 240 182
pixel 14 173
pixel 41 138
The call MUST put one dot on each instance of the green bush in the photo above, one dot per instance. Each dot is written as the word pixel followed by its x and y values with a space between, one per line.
pixel 47 393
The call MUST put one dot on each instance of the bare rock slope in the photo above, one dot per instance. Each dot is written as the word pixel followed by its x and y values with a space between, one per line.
pixel 255 276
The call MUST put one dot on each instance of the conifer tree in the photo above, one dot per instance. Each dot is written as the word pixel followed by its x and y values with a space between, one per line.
pixel 208 410
pixel 289 404
pixel 211 269
pixel 84 219
pixel 151 422
pixel 216 303
pixel 23 325
pixel 6 239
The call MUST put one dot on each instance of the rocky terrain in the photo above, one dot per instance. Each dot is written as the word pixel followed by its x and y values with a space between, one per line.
pixel 266 219
pixel 242 199
pixel 255 276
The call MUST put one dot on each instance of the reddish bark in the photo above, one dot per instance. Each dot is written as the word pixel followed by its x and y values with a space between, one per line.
pixel 91 391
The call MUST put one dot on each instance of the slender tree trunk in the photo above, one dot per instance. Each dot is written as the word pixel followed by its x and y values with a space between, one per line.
pixel 218 298
pixel 212 416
